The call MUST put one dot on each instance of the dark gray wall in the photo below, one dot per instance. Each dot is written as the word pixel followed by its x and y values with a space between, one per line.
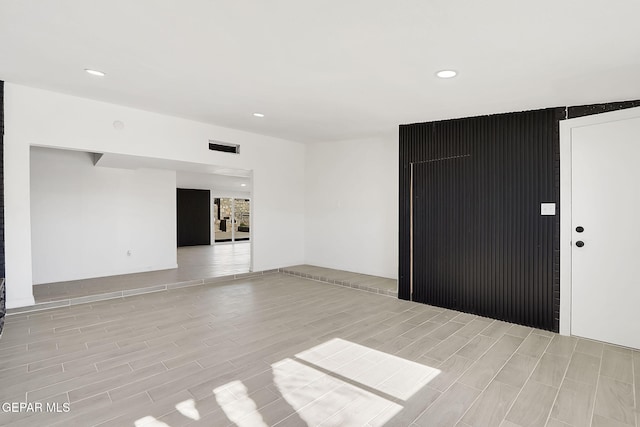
pixel 480 244
pixel 1 178
pixel 2 288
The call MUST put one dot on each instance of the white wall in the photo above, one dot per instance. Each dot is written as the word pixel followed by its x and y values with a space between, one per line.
pixel 351 206
pixel 84 219
pixel 43 118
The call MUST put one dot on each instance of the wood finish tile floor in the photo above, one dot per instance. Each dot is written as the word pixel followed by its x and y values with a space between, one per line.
pixel 287 351
pixel 375 284
pixel 194 262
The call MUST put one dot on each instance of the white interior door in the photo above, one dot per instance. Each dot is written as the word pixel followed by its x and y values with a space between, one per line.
pixel 605 199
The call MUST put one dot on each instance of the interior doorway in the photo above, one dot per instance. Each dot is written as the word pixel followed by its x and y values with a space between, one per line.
pixel 231 219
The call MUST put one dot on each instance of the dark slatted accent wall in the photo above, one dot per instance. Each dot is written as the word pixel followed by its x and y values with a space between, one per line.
pixel 480 244
pixel 587 110
pixel 1 178
pixel 445 222
pixel 2 287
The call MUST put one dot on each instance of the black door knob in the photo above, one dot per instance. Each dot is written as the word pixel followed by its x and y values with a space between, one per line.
pixel 579 229
pixel 579 243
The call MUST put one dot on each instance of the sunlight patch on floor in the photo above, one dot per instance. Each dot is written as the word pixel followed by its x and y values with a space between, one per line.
pixel 234 400
pixel 149 421
pixel 319 398
pixel 336 383
pixel 188 409
pixel 391 375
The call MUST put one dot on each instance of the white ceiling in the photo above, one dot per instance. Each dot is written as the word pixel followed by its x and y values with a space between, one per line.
pixel 325 70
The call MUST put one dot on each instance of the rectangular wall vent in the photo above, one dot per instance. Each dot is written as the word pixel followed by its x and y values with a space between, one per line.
pixel 224 147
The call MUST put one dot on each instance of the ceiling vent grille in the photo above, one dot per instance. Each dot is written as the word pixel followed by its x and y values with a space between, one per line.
pixel 224 147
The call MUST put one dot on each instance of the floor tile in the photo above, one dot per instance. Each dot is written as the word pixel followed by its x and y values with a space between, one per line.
pixel 519 331
pixel 492 405
pixel 616 365
pixel 592 348
pixel 614 400
pixel 533 405
pixel 496 329
pixel 450 370
pixel 584 368
pixel 449 408
pixel 373 361
pixel 476 347
pixel 556 423
pixel 446 330
pixel 412 408
pixel 480 374
pixel 562 345
pixel 534 345
pixel 517 370
pixel 473 328
pixel 446 348
pixel 551 369
pixel 574 403
pixel 600 421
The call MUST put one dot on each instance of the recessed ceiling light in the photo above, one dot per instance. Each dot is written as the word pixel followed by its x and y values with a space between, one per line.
pixel 258 115
pixel 446 74
pixel 243 185
pixel 95 72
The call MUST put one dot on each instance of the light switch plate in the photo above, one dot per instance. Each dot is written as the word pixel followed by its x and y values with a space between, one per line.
pixel 547 208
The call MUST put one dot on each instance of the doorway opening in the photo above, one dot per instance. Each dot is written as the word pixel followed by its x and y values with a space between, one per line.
pixel 127 223
pixel 232 219
pixel 225 247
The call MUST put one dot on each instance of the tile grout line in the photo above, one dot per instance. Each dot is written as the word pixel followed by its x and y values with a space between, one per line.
pixel 598 385
pixel 427 335
pixel 368 423
pixel 304 406
pixel 475 361
pixel 564 376
pixel 498 372
pixel 342 283
pixel 633 386
pixel 456 353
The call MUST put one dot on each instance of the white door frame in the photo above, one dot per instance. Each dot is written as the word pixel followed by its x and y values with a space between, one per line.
pixel 566 128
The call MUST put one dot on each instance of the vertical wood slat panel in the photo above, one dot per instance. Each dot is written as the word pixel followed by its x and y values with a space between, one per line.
pixel 2 266
pixel 443 221
pixel 484 248
pixel 2 262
